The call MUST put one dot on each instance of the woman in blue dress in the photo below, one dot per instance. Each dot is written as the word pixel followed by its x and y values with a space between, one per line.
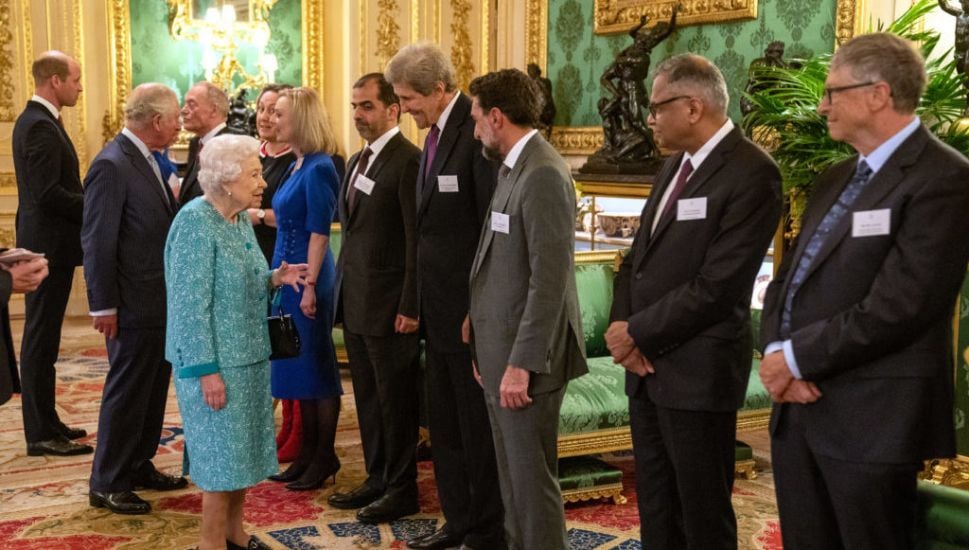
pixel 216 337
pixel 304 206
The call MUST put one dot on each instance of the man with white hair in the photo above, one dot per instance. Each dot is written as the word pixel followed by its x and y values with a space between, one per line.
pixel 127 211
pixel 204 114
pixel 681 309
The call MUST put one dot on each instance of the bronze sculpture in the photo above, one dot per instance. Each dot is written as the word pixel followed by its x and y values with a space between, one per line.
pixel 547 118
pixel 961 46
pixel 758 74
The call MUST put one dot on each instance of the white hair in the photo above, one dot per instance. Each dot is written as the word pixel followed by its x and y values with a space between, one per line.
pixel 221 160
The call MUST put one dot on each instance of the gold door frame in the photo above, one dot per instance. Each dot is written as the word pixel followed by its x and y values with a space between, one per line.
pixel 585 140
pixel 119 43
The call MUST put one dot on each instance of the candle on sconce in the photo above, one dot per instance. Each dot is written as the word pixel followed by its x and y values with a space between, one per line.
pixel 269 64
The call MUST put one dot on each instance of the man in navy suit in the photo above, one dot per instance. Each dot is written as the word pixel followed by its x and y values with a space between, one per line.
pixel 454 188
pixel 858 322
pixel 50 200
pixel 127 211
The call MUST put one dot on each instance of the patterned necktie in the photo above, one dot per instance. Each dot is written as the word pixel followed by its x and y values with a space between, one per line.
pixel 681 179
pixel 362 164
pixel 430 151
pixel 841 207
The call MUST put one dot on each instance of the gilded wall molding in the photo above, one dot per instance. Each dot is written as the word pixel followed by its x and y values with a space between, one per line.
pixel 7 66
pixel 848 20
pixel 120 48
pixel 461 49
pixel 577 140
pixel 615 16
pixel 313 44
pixel 77 19
pixel 536 33
pixel 388 31
pixel 8 183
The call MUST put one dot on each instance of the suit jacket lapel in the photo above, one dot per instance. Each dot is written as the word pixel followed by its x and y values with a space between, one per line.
pixel 344 188
pixel 882 183
pixel 663 180
pixel 141 164
pixel 60 129
pixel 449 136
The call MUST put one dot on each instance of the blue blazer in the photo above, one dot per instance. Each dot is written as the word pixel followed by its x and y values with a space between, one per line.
pixel 127 213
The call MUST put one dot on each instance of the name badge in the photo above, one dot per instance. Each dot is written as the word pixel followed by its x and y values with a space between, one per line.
pixel 871 223
pixel 691 209
pixel 364 184
pixel 499 222
pixel 447 184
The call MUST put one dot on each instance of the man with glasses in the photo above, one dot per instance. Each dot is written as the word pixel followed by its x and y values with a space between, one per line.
pixel 858 320
pixel 681 310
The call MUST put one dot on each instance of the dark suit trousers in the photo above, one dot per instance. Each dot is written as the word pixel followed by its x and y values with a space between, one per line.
pixel 132 408
pixel 834 504
pixel 45 309
pixel 684 476
pixel 385 384
pixel 526 445
pixel 464 453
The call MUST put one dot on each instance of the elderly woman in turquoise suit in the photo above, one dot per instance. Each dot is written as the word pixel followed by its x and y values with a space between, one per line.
pixel 218 286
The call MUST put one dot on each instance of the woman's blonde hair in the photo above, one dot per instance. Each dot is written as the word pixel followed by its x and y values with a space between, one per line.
pixel 311 124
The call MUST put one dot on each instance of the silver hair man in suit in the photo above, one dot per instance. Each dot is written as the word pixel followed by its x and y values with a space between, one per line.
pixel 204 114
pixel 858 322
pixel 524 325
pixel 128 209
pixel 681 307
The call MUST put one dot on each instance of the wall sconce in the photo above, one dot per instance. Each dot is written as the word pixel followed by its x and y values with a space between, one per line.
pixel 223 34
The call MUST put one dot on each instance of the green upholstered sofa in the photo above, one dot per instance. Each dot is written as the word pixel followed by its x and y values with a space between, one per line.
pixel 942 521
pixel 595 412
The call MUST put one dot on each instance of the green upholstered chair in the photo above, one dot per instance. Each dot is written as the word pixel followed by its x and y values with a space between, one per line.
pixel 942 520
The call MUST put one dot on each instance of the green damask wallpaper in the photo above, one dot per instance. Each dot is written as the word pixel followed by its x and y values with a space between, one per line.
pixel 577 56
pixel 156 57
pixel 962 373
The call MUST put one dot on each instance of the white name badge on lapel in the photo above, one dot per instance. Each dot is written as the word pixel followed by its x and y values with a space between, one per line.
pixel 691 209
pixel 499 222
pixel 364 184
pixel 871 223
pixel 447 184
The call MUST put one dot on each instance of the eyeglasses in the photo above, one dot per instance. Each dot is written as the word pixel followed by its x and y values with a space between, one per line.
pixel 830 91
pixel 654 107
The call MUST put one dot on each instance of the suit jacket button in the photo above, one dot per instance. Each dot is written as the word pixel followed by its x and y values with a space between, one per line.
pixel 639 276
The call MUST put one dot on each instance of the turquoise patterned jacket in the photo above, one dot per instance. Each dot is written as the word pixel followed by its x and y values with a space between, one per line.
pixel 218 289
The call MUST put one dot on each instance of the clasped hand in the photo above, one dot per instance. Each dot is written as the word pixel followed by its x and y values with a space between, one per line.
pixel 782 385
pixel 624 352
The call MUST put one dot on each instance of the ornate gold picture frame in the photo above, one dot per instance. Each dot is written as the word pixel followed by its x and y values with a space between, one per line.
pixel 615 16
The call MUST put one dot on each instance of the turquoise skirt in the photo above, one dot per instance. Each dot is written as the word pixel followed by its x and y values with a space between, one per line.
pixel 235 447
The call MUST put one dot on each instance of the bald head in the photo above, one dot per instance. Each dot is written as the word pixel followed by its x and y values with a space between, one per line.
pixel 57 78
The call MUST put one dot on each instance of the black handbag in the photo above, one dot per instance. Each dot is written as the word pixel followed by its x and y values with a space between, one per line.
pixel 283 337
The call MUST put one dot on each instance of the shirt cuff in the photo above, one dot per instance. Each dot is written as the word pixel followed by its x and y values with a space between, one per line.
pixel 788 348
pixel 104 312
pixel 196 371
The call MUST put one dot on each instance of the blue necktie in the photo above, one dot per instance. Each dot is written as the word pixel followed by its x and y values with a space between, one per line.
pixel 841 207
pixel 165 165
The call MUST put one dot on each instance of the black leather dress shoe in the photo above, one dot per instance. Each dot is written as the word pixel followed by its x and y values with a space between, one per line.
pixel 359 497
pixel 388 508
pixel 124 502
pixel 160 482
pixel 438 540
pixel 60 446
pixel 253 544
pixel 69 432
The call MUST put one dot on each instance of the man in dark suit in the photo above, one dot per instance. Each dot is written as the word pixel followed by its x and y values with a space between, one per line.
pixel 681 310
pixel 377 293
pixel 454 187
pixel 204 114
pixel 858 321
pixel 50 201
pixel 127 211
pixel 524 325
pixel 23 276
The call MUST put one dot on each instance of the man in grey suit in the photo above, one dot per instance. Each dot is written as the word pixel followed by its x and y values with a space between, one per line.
pixel 524 325
pixel 127 212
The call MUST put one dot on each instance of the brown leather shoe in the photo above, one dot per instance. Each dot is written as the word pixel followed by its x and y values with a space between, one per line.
pixel 59 446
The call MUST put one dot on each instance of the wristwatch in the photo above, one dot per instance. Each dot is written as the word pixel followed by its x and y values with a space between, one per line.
pixel 261 214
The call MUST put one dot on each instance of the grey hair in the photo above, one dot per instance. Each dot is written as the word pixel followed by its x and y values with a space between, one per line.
pixel 146 101
pixel 884 56
pixel 421 66
pixel 217 97
pixel 221 160
pixel 698 75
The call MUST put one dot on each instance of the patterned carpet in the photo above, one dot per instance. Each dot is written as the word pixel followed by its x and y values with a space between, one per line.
pixel 43 500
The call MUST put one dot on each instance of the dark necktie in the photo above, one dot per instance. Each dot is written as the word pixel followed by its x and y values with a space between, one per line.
pixel 430 151
pixel 362 163
pixel 681 179
pixel 841 207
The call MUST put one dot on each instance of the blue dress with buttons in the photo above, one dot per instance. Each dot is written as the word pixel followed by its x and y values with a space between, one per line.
pixel 305 204
pixel 217 285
